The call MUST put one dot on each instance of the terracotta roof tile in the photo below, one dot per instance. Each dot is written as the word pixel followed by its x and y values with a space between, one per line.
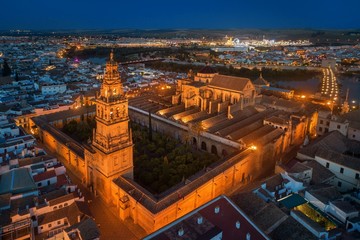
pixel 207 70
pixel 45 175
pixel 229 82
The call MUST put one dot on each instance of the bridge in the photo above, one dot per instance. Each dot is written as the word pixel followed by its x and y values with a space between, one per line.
pixel 329 86
pixel 142 61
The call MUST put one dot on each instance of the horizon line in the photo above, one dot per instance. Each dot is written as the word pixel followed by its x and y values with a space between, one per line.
pixel 180 29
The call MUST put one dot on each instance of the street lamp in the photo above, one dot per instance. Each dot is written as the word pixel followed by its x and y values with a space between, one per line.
pixel 253 147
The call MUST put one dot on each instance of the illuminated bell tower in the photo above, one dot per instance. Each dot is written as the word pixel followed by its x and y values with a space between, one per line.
pixel 112 140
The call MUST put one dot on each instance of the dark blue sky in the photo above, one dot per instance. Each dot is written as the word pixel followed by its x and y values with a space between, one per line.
pixel 150 14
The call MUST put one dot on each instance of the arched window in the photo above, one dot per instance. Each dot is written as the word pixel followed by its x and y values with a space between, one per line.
pixel 213 149
pixel 203 146
pixel 224 153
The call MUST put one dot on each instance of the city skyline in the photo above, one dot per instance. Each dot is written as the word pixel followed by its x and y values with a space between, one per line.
pixel 161 14
pixel 187 138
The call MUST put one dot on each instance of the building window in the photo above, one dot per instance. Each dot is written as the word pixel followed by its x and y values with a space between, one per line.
pixel 321 122
pixel 248 236
pixel 356 176
pixel 327 165
pixel 181 232
pixel 58 222
pixel 326 130
pixel 341 170
pixel 339 184
pixel 327 123
pixel 237 224
pixel 320 129
pixel 338 126
pixel 49 225
pixel 354 136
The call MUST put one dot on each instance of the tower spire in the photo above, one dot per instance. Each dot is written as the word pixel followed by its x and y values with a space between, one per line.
pixel 112 77
pixel 111 111
pixel 112 55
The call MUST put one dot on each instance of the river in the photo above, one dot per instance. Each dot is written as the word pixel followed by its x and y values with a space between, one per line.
pixel 309 86
pixel 353 84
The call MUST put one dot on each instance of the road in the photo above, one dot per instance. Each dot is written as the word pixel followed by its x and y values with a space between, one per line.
pixel 329 86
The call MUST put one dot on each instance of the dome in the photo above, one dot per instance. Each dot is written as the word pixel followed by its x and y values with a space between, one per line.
pixel 261 81
pixel 207 70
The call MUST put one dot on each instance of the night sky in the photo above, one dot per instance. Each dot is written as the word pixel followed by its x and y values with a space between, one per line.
pixel 159 14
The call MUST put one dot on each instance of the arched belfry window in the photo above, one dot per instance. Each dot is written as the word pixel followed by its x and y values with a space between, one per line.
pixel 111 113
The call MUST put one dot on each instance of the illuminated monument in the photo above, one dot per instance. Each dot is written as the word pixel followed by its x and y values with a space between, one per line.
pixel 249 137
pixel 112 147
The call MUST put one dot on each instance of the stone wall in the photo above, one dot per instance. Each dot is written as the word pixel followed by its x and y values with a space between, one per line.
pixel 65 150
pixel 239 170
